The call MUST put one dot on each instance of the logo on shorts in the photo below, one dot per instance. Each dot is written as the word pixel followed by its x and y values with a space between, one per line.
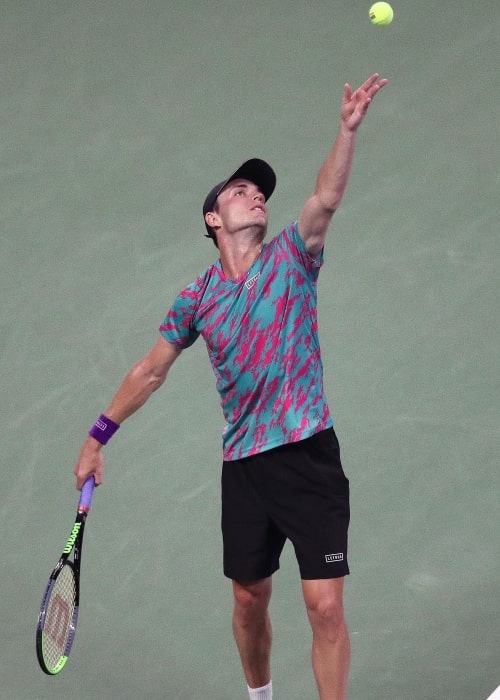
pixel 329 558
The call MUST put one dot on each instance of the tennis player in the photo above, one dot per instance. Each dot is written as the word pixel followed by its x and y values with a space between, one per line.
pixel 282 477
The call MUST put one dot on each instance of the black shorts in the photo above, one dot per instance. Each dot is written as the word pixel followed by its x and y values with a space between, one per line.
pixel 298 492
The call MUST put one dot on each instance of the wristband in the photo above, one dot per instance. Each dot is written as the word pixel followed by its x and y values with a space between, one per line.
pixel 103 429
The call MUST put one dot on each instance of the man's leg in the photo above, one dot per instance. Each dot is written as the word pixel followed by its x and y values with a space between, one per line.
pixel 331 649
pixel 252 629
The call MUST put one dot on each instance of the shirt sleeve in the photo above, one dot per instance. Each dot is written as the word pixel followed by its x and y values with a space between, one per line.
pixel 292 241
pixel 178 326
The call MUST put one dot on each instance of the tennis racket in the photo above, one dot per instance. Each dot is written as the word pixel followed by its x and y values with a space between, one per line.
pixel 58 614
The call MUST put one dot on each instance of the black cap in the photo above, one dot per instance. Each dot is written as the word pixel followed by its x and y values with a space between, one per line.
pixel 255 170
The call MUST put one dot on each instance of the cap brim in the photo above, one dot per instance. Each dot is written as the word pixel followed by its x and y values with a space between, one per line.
pixel 257 171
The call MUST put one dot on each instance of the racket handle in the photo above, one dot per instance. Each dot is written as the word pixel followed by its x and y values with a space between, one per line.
pixel 86 494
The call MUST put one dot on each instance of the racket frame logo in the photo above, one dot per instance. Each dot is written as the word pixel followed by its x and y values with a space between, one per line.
pixel 72 538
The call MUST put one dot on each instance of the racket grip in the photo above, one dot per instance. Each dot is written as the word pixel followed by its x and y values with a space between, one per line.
pixel 86 494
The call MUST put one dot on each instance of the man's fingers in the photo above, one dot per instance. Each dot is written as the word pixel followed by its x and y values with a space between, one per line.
pixel 375 88
pixel 370 81
pixel 347 91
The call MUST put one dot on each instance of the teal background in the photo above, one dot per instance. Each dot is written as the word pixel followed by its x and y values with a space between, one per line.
pixel 116 118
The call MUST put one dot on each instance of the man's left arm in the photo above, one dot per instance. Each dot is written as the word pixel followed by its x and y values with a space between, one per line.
pixel 334 173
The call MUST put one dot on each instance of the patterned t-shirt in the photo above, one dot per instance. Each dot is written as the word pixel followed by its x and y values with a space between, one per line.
pixel 261 333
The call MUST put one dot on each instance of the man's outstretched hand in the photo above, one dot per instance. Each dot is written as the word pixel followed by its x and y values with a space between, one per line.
pixel 355 104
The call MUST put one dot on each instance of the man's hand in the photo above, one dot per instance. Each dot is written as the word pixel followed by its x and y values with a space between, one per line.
pixel 90 461
pixel 355 104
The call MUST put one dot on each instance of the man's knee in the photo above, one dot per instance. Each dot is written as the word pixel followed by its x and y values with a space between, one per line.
pixel 325 609
pixel 252 598
pixel 327 619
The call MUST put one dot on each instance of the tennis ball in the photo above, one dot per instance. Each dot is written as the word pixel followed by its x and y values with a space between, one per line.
pixel 381 13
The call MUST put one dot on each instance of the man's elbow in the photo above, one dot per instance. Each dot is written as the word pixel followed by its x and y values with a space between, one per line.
pixel 329 202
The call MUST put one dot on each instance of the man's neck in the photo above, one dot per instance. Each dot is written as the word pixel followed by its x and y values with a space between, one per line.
pixel 236 262
pixel 238 255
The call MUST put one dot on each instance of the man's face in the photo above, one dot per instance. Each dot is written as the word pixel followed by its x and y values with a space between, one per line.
pixel 241 205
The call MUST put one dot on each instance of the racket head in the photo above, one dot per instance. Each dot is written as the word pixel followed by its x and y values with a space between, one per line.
pixel 57 619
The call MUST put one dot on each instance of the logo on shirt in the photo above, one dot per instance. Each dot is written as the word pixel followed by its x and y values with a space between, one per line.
pixel 251 282
pixel 329 558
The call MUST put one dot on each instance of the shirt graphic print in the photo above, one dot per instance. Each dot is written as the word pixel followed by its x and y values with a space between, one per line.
pixel 261 333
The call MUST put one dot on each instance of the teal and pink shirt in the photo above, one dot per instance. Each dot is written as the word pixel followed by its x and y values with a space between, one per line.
pixel 261 333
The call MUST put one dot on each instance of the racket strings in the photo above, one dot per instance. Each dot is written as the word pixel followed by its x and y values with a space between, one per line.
pixel 58 626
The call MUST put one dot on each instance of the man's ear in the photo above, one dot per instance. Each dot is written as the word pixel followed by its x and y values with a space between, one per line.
pixel 212 219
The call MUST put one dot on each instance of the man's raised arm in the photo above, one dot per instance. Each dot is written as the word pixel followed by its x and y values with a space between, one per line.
pixel 334 173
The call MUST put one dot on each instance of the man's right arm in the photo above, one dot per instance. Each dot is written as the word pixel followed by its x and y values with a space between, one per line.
pixel 144 378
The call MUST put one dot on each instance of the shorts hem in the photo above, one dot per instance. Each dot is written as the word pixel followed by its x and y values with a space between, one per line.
pixel 247 578
pixel 326 575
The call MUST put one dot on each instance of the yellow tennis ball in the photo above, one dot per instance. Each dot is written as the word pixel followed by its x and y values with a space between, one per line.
pixel 381 13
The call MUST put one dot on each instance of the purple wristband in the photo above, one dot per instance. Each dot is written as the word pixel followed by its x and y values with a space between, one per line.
pixel 103 429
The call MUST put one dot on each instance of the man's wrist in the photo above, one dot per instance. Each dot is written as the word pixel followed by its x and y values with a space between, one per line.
pixel 346 131
pixel 103 429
